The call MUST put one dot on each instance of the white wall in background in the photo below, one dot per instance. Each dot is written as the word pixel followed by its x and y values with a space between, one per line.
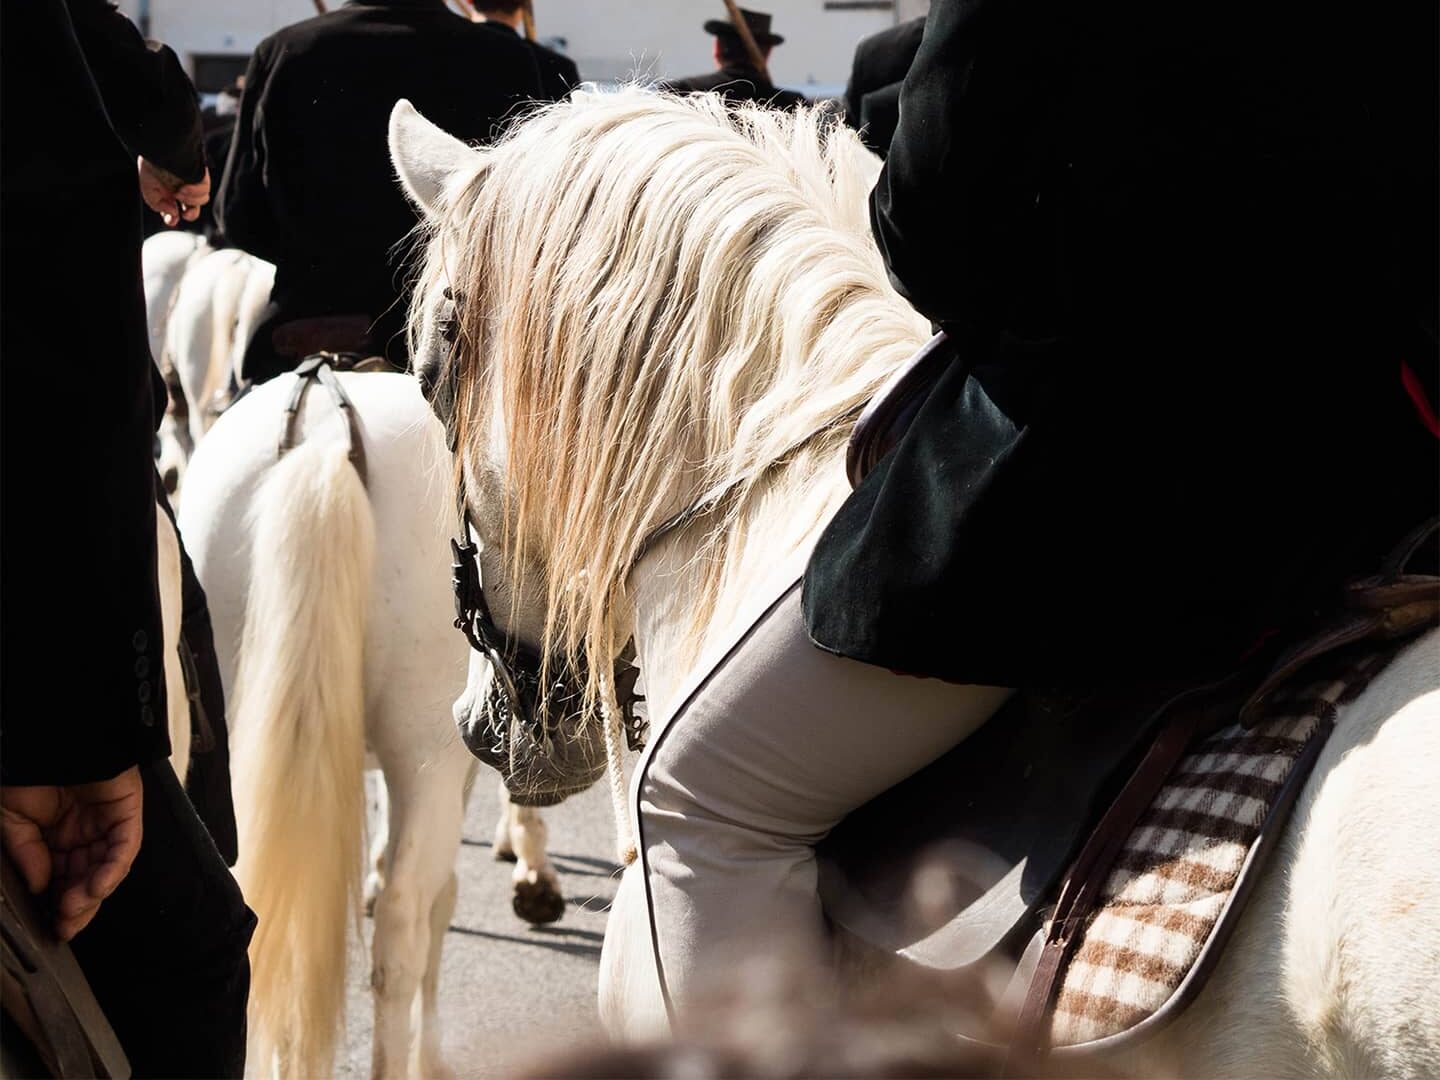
pixel 608 39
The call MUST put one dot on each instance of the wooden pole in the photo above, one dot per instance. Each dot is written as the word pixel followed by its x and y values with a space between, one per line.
pixel 748 39
pixel 320 8
pixel 528 14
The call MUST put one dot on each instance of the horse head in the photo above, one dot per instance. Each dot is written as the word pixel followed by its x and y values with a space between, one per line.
pixel 634 312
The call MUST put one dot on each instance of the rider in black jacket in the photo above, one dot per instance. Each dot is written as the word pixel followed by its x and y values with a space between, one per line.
pixel 309 185
pixel 1184 261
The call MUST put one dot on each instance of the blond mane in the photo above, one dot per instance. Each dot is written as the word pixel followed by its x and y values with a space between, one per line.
pixel 667 297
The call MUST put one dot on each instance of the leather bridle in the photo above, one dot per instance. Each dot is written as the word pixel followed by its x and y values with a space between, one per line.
pixel 517 687
pixel 517 666
pixel 520 686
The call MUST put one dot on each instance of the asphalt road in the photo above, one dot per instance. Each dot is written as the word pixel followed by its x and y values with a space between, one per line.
pixel 509 990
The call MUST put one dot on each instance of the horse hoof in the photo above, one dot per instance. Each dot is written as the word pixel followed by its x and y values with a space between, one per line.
pixel 538 902
pixel 504 855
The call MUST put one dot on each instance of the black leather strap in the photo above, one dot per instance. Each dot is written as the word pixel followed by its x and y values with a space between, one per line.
pixel 320 368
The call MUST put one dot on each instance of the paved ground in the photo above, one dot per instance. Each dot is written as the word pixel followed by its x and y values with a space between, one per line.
pixel 507 988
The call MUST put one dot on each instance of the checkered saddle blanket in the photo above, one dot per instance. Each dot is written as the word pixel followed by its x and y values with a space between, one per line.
pixel 1188 864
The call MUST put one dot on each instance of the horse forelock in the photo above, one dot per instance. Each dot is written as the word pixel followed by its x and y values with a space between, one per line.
pixel 664 295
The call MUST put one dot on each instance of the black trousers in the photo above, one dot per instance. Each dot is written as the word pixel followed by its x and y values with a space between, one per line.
pixel 166 953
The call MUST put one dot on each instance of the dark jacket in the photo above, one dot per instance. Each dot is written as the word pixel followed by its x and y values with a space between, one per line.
pixel 1184 263
pixel 82 690
pixel 309 185
pixel 872 96
pixel 558 73
pixel 738 82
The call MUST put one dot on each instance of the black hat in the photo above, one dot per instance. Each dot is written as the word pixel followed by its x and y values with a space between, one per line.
pixel 759 28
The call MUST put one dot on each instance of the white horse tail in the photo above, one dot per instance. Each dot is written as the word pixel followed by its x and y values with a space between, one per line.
pixel 300 749
pixel 172 601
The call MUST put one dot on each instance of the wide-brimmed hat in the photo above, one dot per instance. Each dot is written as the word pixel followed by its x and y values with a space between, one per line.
pixel 758 22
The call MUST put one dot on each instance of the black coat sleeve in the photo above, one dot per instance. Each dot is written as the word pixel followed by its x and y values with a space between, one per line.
pixel 964 167
pixel 147 94
pixel 242 206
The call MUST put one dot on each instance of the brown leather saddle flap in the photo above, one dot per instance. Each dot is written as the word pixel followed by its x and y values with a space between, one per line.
pixel 299 338
pixel 890 412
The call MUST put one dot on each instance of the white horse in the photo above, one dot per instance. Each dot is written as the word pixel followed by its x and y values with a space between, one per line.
pixel 331 607
pixel 662 305
pixel 165 257
pixel 214 312
pixel 202 307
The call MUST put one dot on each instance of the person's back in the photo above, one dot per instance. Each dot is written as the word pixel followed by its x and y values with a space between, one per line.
pixel 738 78
pixel 309 185
pixel 872 96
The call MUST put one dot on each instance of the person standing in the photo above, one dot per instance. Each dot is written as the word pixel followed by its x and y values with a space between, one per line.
pixel 93 816
pixel 308 184
pixel 736 77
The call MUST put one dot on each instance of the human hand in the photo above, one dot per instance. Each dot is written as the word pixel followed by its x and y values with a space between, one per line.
pixel 169 196
pixel 78 840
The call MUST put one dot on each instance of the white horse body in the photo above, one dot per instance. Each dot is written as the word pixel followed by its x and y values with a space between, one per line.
pixel 359 650
pixel 201 332
pixel 331 609
pixel 164 259
pixel 1332 969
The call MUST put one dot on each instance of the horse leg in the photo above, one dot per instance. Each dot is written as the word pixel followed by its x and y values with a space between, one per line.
pixel 177 699
pixel 379 847
pixel 432 1060
pixel 504 850
pixel 426 813
pixel 537 889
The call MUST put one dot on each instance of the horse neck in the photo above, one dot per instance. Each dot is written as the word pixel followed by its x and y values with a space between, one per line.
pixel 766 550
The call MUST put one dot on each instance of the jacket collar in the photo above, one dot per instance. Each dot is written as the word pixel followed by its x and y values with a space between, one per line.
pixel 744 73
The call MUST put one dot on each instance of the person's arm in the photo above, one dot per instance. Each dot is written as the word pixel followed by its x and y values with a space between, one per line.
pixel 964 166
pixel 242 206
pixel 150 99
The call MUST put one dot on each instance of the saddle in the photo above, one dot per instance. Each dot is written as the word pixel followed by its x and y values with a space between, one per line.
pixel 343 334
pixel 890 412
pixel 1056 831
pixel 1046 837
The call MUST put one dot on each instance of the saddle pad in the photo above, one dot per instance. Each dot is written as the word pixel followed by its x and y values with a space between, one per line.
pixel 1180 882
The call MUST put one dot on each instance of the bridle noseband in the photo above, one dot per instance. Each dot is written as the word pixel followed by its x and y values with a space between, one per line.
pixel 519 688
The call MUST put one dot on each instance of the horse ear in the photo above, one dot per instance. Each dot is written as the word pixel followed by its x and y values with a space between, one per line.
pixel 425 157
